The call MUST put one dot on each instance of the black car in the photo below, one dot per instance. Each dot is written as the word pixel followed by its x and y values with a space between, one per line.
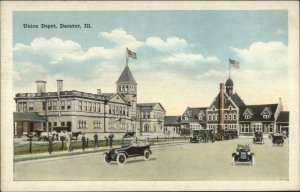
pixel 258 137
pixel 129 148
pixel 203 136
pixel 243 155
pixel 277 139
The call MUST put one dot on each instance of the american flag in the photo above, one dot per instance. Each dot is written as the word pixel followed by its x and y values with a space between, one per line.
pixel 131 54
pixel 234 63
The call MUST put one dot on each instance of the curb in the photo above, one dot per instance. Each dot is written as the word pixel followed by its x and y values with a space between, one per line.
pixel 61 154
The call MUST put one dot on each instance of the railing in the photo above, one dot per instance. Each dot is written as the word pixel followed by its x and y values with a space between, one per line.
pixel 29 147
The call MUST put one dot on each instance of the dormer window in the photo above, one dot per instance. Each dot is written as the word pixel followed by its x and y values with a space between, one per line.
pixel 186 118
pixel 200 117
pixel 247 116
pixel 230 108
pixel 266 116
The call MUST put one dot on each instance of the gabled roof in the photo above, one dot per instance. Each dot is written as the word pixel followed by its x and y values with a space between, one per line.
pixel 126 76
pixel 284 116
pixel 172 120
pixel 149 106
pixel 257 110
pixel 28 117
pixel 192 113
pixel 107 95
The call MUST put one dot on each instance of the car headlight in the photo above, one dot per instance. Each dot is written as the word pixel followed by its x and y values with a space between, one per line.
pixel 248 153
pixel 237 153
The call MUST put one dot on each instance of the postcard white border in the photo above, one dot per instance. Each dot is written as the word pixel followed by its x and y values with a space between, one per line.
pixel 7 102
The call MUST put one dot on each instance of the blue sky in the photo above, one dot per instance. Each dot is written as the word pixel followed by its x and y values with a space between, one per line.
pixel 182 55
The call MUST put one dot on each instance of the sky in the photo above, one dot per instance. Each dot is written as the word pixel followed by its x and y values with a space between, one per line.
pixel 182 56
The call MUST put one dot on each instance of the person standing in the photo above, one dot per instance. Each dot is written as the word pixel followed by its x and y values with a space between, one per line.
pixel 96 141
pixel 68 141
pixel 83 141
pixel 111 136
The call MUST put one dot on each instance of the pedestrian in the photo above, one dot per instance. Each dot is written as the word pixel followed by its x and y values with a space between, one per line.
pixel 83 141
pixel 96 141
pixel 68 142
pixel 111 136
pixel 106 141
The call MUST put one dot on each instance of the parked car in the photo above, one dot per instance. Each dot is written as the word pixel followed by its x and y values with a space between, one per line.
pixel 129 148
pixel 230 134
pixel 277 139
pixel 203 136
pixel 258 137
pixel 243 155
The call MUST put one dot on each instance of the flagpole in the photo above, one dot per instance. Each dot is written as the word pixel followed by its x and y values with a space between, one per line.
pixel 229 69
pixel 126 56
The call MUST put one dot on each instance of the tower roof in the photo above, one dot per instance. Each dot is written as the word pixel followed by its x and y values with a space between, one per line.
pixel 126 76
pixel 229 82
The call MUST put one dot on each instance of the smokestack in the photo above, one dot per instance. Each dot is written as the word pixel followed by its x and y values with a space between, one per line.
pixel 41 86
pixel 221 110
pixel 59 85
pixel 99 91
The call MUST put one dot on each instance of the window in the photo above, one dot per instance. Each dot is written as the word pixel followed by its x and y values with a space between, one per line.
pixel 54 105
pixel 49 105
pixel 266 116
pixel 63 124
pixel 234 116
pixel 98 107
pixel 97 124
pixel 90 106
pixel 63 103
pixel 217 116
pixel 209 117
pixel 84 106
pixel 247 116
pixel 55 124
pixel 20 106
pixel 30 106
pixel 186 118
pixel 94 107
pixel 200 117
pixel 230 116
pixel 146 128
pixel 49 124
pixel 82 124
pixel 271 128
pixel 69 105
pixel 225 117
pixel 230 108
pixel 109 109
pixel 24 106
pixel 80 105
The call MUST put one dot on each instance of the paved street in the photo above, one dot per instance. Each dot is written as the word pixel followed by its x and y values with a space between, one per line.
pixel 184 162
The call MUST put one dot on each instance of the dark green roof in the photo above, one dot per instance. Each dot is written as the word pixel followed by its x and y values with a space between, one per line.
pixel 237 100
pixel 28 116
pixel 172 120
pixel 126 76
pixel 284 116
pixel 257 110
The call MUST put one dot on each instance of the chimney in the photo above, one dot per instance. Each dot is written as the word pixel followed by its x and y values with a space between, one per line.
pixel 221 111
pixel 41 86
pixel 59 85
pixel 99 91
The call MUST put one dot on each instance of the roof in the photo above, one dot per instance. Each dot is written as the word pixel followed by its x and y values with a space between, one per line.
pixel 107 94
pixel 126 76
pixel 149 105
pixel 229 82
pixel 192 113
pixel 171 120
pixel 257 110
pixel 28 116
pixel 237 100
pixel 284 116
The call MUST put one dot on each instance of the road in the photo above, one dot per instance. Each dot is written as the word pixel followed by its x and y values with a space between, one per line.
pixel 181 162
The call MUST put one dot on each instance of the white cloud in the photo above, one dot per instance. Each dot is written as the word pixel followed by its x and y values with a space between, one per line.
pixel 171 43
pixel 270 55
pixel 121 38
pixel 189 59
pixel 27 67
pixel 212 74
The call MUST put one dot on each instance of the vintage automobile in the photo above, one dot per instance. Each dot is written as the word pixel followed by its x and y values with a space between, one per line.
pixel 277 139
pixel 203 136
pixel 258 137
pixel 230 134
pixel 243 155
pixel 129 148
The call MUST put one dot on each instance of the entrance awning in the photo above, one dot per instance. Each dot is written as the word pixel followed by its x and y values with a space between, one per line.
pixel 28 117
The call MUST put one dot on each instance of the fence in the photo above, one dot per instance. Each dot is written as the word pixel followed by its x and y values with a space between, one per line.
pixel 28 147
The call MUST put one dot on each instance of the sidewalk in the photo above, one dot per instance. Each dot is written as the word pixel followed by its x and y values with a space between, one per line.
pixel 18 158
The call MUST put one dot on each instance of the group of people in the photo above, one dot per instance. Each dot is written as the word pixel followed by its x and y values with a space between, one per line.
pixel 84 141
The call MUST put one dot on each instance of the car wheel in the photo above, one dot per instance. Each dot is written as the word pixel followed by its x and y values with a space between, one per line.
pixel 107 159
pixel 147 155
pixel 121 159
pixel 253 160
